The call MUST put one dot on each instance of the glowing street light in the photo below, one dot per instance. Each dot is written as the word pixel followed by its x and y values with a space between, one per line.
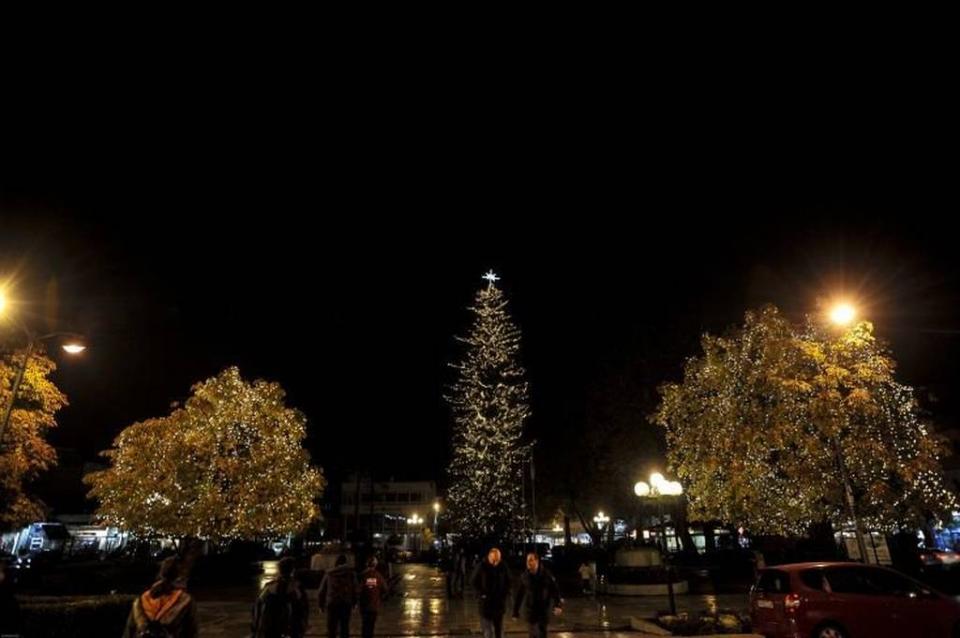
pixel 73 346
pixel 842 314
pixel 656 479
pixel 657 487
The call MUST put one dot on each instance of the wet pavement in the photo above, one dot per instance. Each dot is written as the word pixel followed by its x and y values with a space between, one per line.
pixel 419 607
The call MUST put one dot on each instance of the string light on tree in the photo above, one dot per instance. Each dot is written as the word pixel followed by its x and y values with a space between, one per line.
pixel 489 406
pixel 779 426
pixel 229 464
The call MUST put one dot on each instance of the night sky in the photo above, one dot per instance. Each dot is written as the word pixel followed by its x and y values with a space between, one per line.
pixel 347 285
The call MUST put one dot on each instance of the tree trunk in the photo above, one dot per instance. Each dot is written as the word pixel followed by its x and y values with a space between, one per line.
pixel 683 526
pixel 929 539
pixel 596 534
pixel 567 538
pixel 709 540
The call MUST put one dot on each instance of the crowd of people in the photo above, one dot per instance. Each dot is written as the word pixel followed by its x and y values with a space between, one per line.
pixel 282 609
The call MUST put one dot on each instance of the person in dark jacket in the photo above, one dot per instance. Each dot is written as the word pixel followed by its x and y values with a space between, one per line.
pixel 373 589
pixel 166 608
pixel 491 580
pixel 338 595
pixel 281 607
pixel 459 572
pixel 536 594
pixel 9 609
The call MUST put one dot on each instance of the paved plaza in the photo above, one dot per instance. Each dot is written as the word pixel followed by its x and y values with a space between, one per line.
pixel 419 607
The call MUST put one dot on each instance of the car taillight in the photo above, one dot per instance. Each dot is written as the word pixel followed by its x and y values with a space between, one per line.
pixel 791 603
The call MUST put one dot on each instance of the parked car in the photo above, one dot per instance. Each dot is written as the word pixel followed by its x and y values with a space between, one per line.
pixel 37 560
pixel 848 600
pixel 938 568
pixel 935 559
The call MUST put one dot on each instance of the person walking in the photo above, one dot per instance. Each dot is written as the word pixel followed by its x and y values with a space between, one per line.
pixel 536 595
pixel 281 607
pixel 491 580
pixel 165 610
pixel 373 590
pixel 338 595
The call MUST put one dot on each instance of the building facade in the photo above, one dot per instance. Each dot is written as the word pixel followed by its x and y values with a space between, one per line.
pixel 386 508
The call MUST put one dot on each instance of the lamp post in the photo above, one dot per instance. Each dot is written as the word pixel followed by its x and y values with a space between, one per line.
pixel 601 521
pixel 416 521
pixel 841 315
pixel 657 488
pixel 73 345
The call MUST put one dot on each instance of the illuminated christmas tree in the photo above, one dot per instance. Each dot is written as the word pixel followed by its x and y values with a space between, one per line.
pixel 489 405
pixel 777 426
pixel 229 464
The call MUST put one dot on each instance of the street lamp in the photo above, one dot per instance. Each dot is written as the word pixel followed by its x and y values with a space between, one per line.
pixel 416 521
pixel 657 487
pixel 601 520
pixel 842 314
pixel 73 345
pixel 436 515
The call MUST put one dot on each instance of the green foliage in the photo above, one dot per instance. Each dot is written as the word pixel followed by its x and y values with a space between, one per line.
pixel 229 464
pixel 762 420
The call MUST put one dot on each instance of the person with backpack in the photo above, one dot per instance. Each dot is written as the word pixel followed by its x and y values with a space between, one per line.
pixel 373 590
pixel 165 610
pixel 281 607
pixel 338 595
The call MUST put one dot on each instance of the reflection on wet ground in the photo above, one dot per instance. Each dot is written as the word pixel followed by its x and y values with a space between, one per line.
pixel 419 607
pixel 269 573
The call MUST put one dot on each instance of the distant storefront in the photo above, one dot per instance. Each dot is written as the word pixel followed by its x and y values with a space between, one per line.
pixel 67 534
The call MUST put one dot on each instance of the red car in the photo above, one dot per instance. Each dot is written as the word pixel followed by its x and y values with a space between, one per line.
pixel 848 600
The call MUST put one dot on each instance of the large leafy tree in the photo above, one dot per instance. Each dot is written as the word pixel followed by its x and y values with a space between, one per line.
pixel 24 450
pixel 777 426
pixel 229 464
